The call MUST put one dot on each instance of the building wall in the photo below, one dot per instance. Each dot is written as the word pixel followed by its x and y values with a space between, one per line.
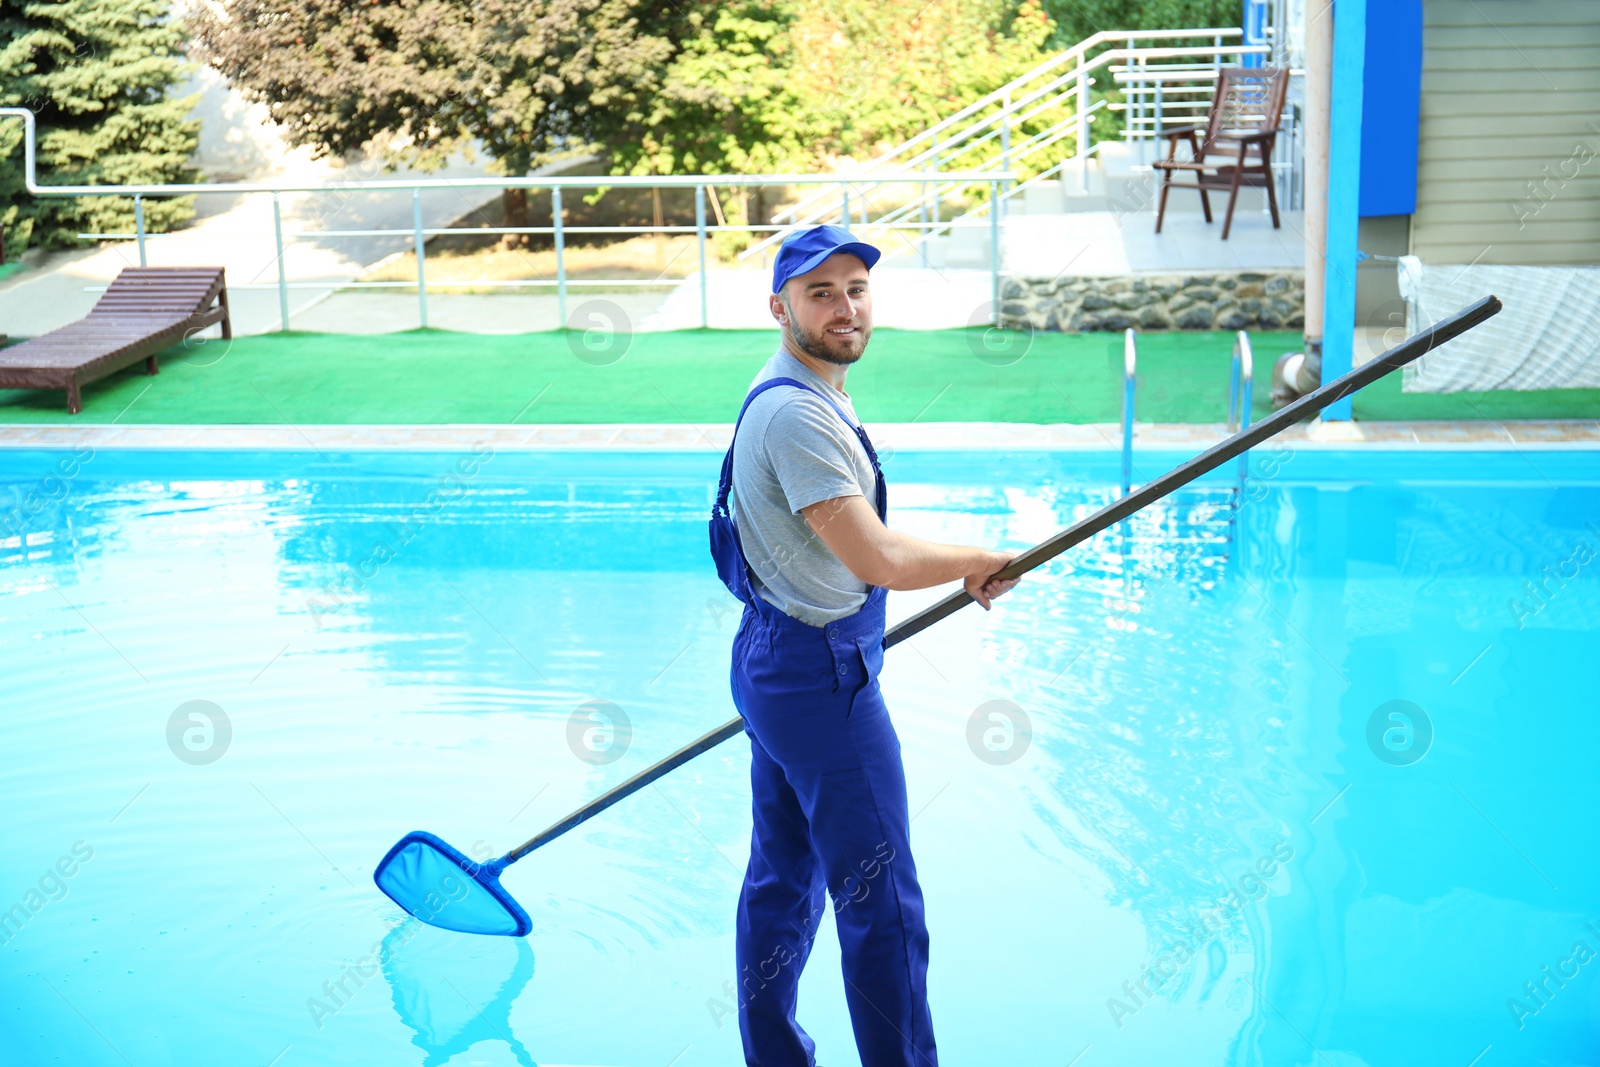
pixel 1509 139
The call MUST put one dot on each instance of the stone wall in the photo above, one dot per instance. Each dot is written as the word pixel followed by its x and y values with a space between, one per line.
pixel 1231 300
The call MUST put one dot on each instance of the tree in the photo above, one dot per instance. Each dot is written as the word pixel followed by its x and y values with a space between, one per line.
pixel 875 72
pixel 738 86
pixel 1077 19
pixel 99 75
pixel 727 101
pixel 529 83
pixel 723 86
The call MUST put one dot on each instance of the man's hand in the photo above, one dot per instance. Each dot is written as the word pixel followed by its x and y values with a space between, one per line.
pixel 980 586
pixel 879 556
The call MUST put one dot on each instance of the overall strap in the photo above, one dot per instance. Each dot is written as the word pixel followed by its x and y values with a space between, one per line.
pixel 726 483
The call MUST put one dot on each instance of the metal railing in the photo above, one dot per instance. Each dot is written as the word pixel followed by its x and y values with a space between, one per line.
pixel 418 233
pixel 1241 394
pixel 1130 360
pixel 1055 98
pixel 1080 160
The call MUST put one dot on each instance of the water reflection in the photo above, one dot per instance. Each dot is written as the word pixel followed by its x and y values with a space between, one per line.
pixel 455 990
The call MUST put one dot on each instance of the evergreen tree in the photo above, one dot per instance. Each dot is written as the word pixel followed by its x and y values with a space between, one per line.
pixel 98 74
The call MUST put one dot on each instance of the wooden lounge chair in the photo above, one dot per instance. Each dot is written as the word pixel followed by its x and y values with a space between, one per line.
pixel 146 310
pixel 1244 113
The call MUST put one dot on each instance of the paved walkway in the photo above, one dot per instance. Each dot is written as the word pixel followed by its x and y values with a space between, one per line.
pixel 235 231
pixel 239 237
pixel 1102 242
pixel 906 295
pixel 903 298
pixel 1530 435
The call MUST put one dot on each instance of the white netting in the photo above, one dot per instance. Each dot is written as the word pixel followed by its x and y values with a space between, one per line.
pixel 1548 336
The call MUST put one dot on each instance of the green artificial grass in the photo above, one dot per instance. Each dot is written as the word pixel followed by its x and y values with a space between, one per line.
pixel 694 376
pixel 1383 400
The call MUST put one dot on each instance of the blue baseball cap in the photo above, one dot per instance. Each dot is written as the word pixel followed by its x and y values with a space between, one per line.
pixel 804 251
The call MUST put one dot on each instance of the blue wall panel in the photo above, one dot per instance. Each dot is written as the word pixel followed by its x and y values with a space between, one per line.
pixel 1390 107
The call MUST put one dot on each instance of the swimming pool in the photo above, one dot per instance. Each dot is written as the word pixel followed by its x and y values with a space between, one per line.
pixel 1307 783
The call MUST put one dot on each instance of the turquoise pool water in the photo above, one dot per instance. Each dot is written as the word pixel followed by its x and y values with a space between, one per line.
pixel 1313 783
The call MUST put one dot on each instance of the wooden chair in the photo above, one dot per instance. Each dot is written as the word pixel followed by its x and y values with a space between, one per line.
pixel 145 310
pixel 1244 113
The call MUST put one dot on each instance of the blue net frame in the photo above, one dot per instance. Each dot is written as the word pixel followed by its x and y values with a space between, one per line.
pixel 435 882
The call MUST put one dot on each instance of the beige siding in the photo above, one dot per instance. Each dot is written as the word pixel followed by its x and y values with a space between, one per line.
pixel 1508 168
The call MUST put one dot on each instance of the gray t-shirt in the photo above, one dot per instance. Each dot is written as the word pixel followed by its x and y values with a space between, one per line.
pixel 792 450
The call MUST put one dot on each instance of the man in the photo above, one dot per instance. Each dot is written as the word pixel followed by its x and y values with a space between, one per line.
pixel 805 547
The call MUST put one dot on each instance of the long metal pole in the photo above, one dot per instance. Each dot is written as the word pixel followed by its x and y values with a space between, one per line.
pixel 1005 132
pixel 138 227
pixel 1159 122
pixel 421 248
pixel 994 249
pixel 1233 390
pixel 1130 358
pixel 667 181
pixel 561 263
pixel 700 234
pixel 1242 396
pixel 283 277
pixel 1083 126
pixel 1411 349
pixel 923 233
pixel 1139 133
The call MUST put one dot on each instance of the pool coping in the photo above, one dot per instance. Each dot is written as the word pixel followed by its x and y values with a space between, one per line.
pixel 1560 434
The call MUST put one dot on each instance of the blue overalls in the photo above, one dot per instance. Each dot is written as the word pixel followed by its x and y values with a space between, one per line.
pixel 829 803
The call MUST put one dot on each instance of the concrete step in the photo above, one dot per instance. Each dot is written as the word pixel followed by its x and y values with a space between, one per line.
pixel 1062 196
pixel 1131 193
pixel 1119 158
pixel 967 247
pixel 1132 185
pixel 1041 198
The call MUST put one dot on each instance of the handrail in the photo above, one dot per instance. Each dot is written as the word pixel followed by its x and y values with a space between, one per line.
pixel 1241 386
pixel 1012 191
pixel 1242 373
pixel 811 207
pixel 1040 140
pixel 1130 359
pixel 1045 67
pixel 817 206
pixel 673 181
pixel 418 233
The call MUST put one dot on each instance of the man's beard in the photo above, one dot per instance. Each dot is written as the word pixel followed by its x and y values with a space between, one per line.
pixel 817 346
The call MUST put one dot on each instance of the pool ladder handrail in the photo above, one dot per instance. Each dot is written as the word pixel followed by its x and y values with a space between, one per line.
pixel 1130 360
pixel 1241 385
